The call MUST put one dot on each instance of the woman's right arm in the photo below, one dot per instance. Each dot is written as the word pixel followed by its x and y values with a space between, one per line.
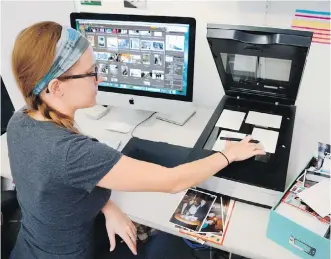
pixel 133 175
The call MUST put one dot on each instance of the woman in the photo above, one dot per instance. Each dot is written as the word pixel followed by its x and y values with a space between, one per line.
pixel 64 178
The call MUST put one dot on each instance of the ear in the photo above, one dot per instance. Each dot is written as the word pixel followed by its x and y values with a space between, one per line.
pixel 55 88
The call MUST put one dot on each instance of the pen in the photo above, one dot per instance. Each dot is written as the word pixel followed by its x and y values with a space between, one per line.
pixel 239 139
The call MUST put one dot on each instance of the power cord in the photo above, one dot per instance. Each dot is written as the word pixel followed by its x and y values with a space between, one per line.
pixel 135 127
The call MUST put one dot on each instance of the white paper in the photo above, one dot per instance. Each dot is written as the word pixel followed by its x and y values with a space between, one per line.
pixel 302 218
pixel 318 197
pixel 245 63
pixel 230 119
pixel 268 139
pixel 264 119
pixel 220 144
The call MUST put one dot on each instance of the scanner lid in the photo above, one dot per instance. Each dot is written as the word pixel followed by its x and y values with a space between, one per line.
pixel 260 63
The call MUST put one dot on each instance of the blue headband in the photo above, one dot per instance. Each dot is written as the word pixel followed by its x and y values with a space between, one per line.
pixel 69 49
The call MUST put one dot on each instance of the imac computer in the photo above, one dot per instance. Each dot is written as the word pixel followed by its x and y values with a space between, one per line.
pixel 146 62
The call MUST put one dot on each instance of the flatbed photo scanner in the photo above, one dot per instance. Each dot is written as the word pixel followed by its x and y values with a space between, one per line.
pixel 260 70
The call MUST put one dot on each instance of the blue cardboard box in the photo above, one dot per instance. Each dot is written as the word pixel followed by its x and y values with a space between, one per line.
pixel 296 238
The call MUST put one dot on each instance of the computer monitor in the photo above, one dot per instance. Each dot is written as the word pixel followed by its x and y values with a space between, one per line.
pixel 146 62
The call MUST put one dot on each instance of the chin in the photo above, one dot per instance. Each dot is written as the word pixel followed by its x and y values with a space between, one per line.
pixel 92 103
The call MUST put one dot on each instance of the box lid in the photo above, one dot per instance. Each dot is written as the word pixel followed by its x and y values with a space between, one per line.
pixel 259 63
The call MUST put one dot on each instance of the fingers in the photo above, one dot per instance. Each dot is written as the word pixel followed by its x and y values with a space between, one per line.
pixel 112 240
pixel 256 146
pixel 133 230
pixel 130 243
pixel 247 139
pixel 259 152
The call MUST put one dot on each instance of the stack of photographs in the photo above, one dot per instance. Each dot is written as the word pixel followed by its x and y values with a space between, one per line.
pixel 316 173
pixel 203 216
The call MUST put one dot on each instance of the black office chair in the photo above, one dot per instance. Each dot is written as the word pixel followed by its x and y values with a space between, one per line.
pixel 10 221
pixel 7 108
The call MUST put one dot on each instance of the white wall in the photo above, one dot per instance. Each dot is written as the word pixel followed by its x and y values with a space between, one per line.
pixel 312 123
pixel 15 16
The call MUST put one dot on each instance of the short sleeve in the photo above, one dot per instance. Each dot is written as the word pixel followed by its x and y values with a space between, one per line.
pixel 88 161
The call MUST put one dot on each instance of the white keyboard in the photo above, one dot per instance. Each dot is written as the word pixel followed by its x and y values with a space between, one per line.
pixel 118 127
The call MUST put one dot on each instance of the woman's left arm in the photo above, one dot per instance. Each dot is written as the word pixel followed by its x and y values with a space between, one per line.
pixel 119 223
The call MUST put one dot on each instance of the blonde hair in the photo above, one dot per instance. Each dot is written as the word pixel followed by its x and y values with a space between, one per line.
pixel 32 58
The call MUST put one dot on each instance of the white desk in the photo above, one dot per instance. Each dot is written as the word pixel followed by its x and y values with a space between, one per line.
pixel 246 234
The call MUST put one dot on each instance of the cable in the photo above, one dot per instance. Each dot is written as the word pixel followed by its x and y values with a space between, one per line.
pixel 135 127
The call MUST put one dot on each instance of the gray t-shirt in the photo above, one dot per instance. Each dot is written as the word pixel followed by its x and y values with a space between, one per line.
pixel 56 172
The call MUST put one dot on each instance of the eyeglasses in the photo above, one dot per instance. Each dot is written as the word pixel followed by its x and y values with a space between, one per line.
pixel 95 74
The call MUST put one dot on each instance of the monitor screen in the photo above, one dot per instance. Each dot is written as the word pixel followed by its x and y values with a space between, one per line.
pixel 140 57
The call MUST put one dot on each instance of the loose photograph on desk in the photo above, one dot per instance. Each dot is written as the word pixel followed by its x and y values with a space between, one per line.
pixel 215 225
pixel 218 217
pixel 193 209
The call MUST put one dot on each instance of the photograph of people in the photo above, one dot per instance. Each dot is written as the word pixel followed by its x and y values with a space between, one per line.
pixel 158 45
pixel 146 44
pixel 113 57
pixel 146 74
pixel 101 41
pixel 214 220
pixel 158 75
pixel 65 179
pixel 103 68
pixel 323 161
pixel 193 209
pixel 146 59
pixel 158 59
pixel 124 70
pixel 123 43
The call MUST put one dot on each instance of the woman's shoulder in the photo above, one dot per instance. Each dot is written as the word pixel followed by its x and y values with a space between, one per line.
pixel 22 127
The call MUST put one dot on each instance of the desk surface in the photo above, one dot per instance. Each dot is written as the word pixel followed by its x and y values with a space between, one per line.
pixel 246 234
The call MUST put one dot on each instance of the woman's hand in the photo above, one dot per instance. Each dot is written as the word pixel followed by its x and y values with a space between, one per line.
pixel 238 151
pixel 118 223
